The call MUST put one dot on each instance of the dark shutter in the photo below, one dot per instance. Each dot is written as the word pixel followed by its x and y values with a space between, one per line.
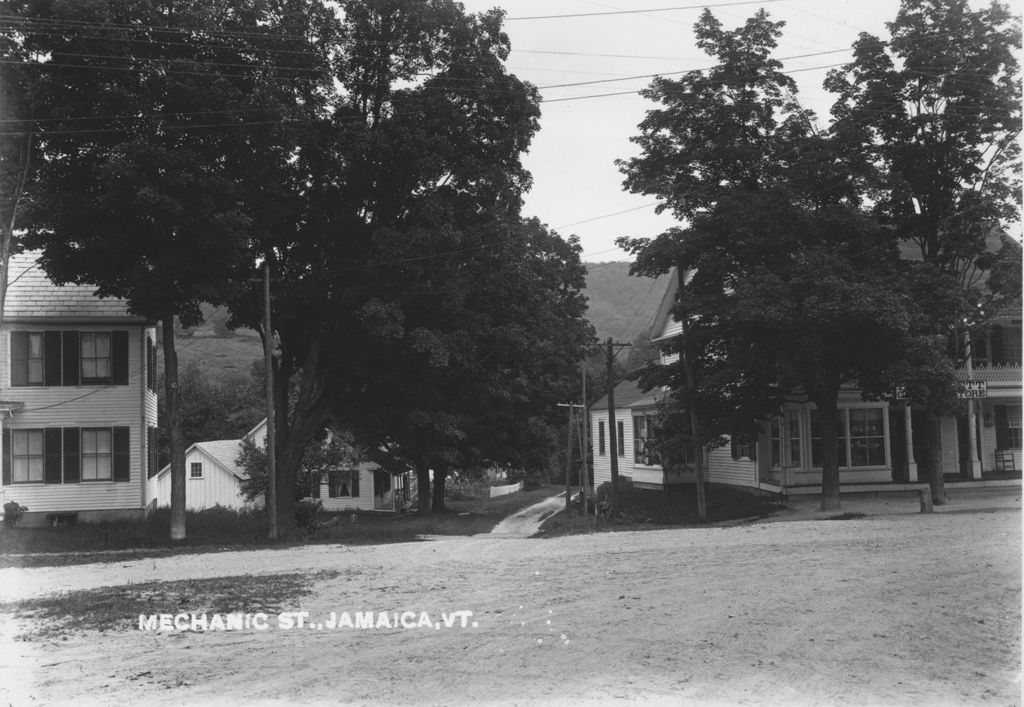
pixel 51 356
pixel 19 358
pixel 1002 430
pixel 51 455
pixel 8 457
pixel 119 357
pixel 122 454
pixel 150 365
pixel 72 455
pixel 151 441
pixel 354 486
pixel 72 363
pixel 600 437
pixel 998 352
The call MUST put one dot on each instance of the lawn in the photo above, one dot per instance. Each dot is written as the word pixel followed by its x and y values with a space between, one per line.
pixel 648 509
pixel 220 529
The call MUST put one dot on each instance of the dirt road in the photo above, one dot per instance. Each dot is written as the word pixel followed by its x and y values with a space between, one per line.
pixel 893 609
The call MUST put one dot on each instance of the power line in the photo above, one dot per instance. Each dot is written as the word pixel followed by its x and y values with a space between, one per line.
pixel 636 12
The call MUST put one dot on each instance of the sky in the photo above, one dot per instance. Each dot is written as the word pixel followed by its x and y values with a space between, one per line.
pixel 577 188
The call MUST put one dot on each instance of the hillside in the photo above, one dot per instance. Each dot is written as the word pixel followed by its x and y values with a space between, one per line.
pixel 621 306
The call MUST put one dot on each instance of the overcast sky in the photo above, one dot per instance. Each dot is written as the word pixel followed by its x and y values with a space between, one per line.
pixel 577 187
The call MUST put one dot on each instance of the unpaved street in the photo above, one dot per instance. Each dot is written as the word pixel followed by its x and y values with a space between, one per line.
pixel 888 609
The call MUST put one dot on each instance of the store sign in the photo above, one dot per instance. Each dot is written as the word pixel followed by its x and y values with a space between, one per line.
pixel 972 389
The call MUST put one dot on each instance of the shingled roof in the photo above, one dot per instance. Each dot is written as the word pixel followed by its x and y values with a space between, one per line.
pixel 31 296
pixel 628 395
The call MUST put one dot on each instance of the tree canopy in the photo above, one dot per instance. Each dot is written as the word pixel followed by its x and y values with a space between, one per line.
pixel 788 289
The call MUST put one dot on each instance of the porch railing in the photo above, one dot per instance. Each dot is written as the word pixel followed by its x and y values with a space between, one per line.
pixel 1008 373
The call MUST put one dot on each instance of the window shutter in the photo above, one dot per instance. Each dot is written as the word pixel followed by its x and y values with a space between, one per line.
pixel 72 455
pixel 19 358
pixel 7 460
pixel 1002 429
pixel 151 458
pixel 51 358
pixel 51 455
pixel 998 353
pixel 72 363
pixel 354 486
pixel 122 454
pixel 150 365
pixel 119 357
pixel 314 487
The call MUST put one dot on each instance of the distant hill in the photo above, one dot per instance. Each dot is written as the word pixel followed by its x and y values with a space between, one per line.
pixel 621 306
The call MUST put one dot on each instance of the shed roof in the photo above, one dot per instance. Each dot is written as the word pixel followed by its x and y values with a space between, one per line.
pixel 31 295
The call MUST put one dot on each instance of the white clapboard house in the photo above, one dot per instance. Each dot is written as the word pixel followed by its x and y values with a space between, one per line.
pixel 77 401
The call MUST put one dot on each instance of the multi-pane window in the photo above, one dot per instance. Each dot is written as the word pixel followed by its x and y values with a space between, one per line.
pixel 97 455
pixel 645 449
pixel 776 440
pixel 35 358
pixel 195 470
pixel 27 456
pixel 95 356
pixel 343 483
pixel 1008 426
pixel 28 362
pixel 860 437
pixel 793 432
pixel 867 437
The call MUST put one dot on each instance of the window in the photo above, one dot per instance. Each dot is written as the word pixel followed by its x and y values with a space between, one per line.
pixel 95 357
pixel 793 432
pixel 621 438
pixel 67 455
pixel 1008 426
pixel 195 470
pixel 867 437
pixel 645 450
pixel 97 455
pixel 343 483
pixel 28 363
pixel 27 456
pixel 742 448
pixel 600 437
pixel 776 437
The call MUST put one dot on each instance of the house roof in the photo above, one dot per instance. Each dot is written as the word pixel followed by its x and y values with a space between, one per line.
pixel 31 295
pixel 223 451
pixel 628 395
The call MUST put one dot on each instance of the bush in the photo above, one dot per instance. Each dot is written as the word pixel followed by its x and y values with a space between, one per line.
pixel 306 511
pixel 13 511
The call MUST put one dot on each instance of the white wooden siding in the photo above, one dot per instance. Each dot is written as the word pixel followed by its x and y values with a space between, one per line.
pixel 602 462
pixel 217 487
pixel 723 469
pixel 362 502
pixel 83 406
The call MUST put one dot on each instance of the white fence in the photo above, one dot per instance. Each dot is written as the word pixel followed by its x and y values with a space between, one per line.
pixel 505 490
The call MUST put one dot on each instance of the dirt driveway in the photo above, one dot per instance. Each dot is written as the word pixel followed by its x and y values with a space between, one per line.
pixel 887 609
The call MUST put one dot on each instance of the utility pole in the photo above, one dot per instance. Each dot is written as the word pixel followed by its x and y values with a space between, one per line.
pixel 268 363
pixel 584 430
pixel 613 430
pixel 568 455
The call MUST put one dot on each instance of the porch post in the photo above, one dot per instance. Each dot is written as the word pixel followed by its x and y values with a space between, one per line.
pixel 911 462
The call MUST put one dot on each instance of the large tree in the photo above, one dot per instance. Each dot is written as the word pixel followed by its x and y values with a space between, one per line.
pixel 144 115
pixel 936 110
pixel 792 290
pixel 405 179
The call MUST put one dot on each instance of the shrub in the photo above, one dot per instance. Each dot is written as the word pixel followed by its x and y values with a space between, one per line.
pixel 306 511
pixel 13 511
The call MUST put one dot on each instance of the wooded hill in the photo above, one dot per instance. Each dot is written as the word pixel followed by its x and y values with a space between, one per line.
pixel 621 306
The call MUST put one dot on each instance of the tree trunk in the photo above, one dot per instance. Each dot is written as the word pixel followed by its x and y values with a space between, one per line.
pixel 828 415
pixel 173 406
pixel 438 491
pixel 935 481
pixel 422 486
